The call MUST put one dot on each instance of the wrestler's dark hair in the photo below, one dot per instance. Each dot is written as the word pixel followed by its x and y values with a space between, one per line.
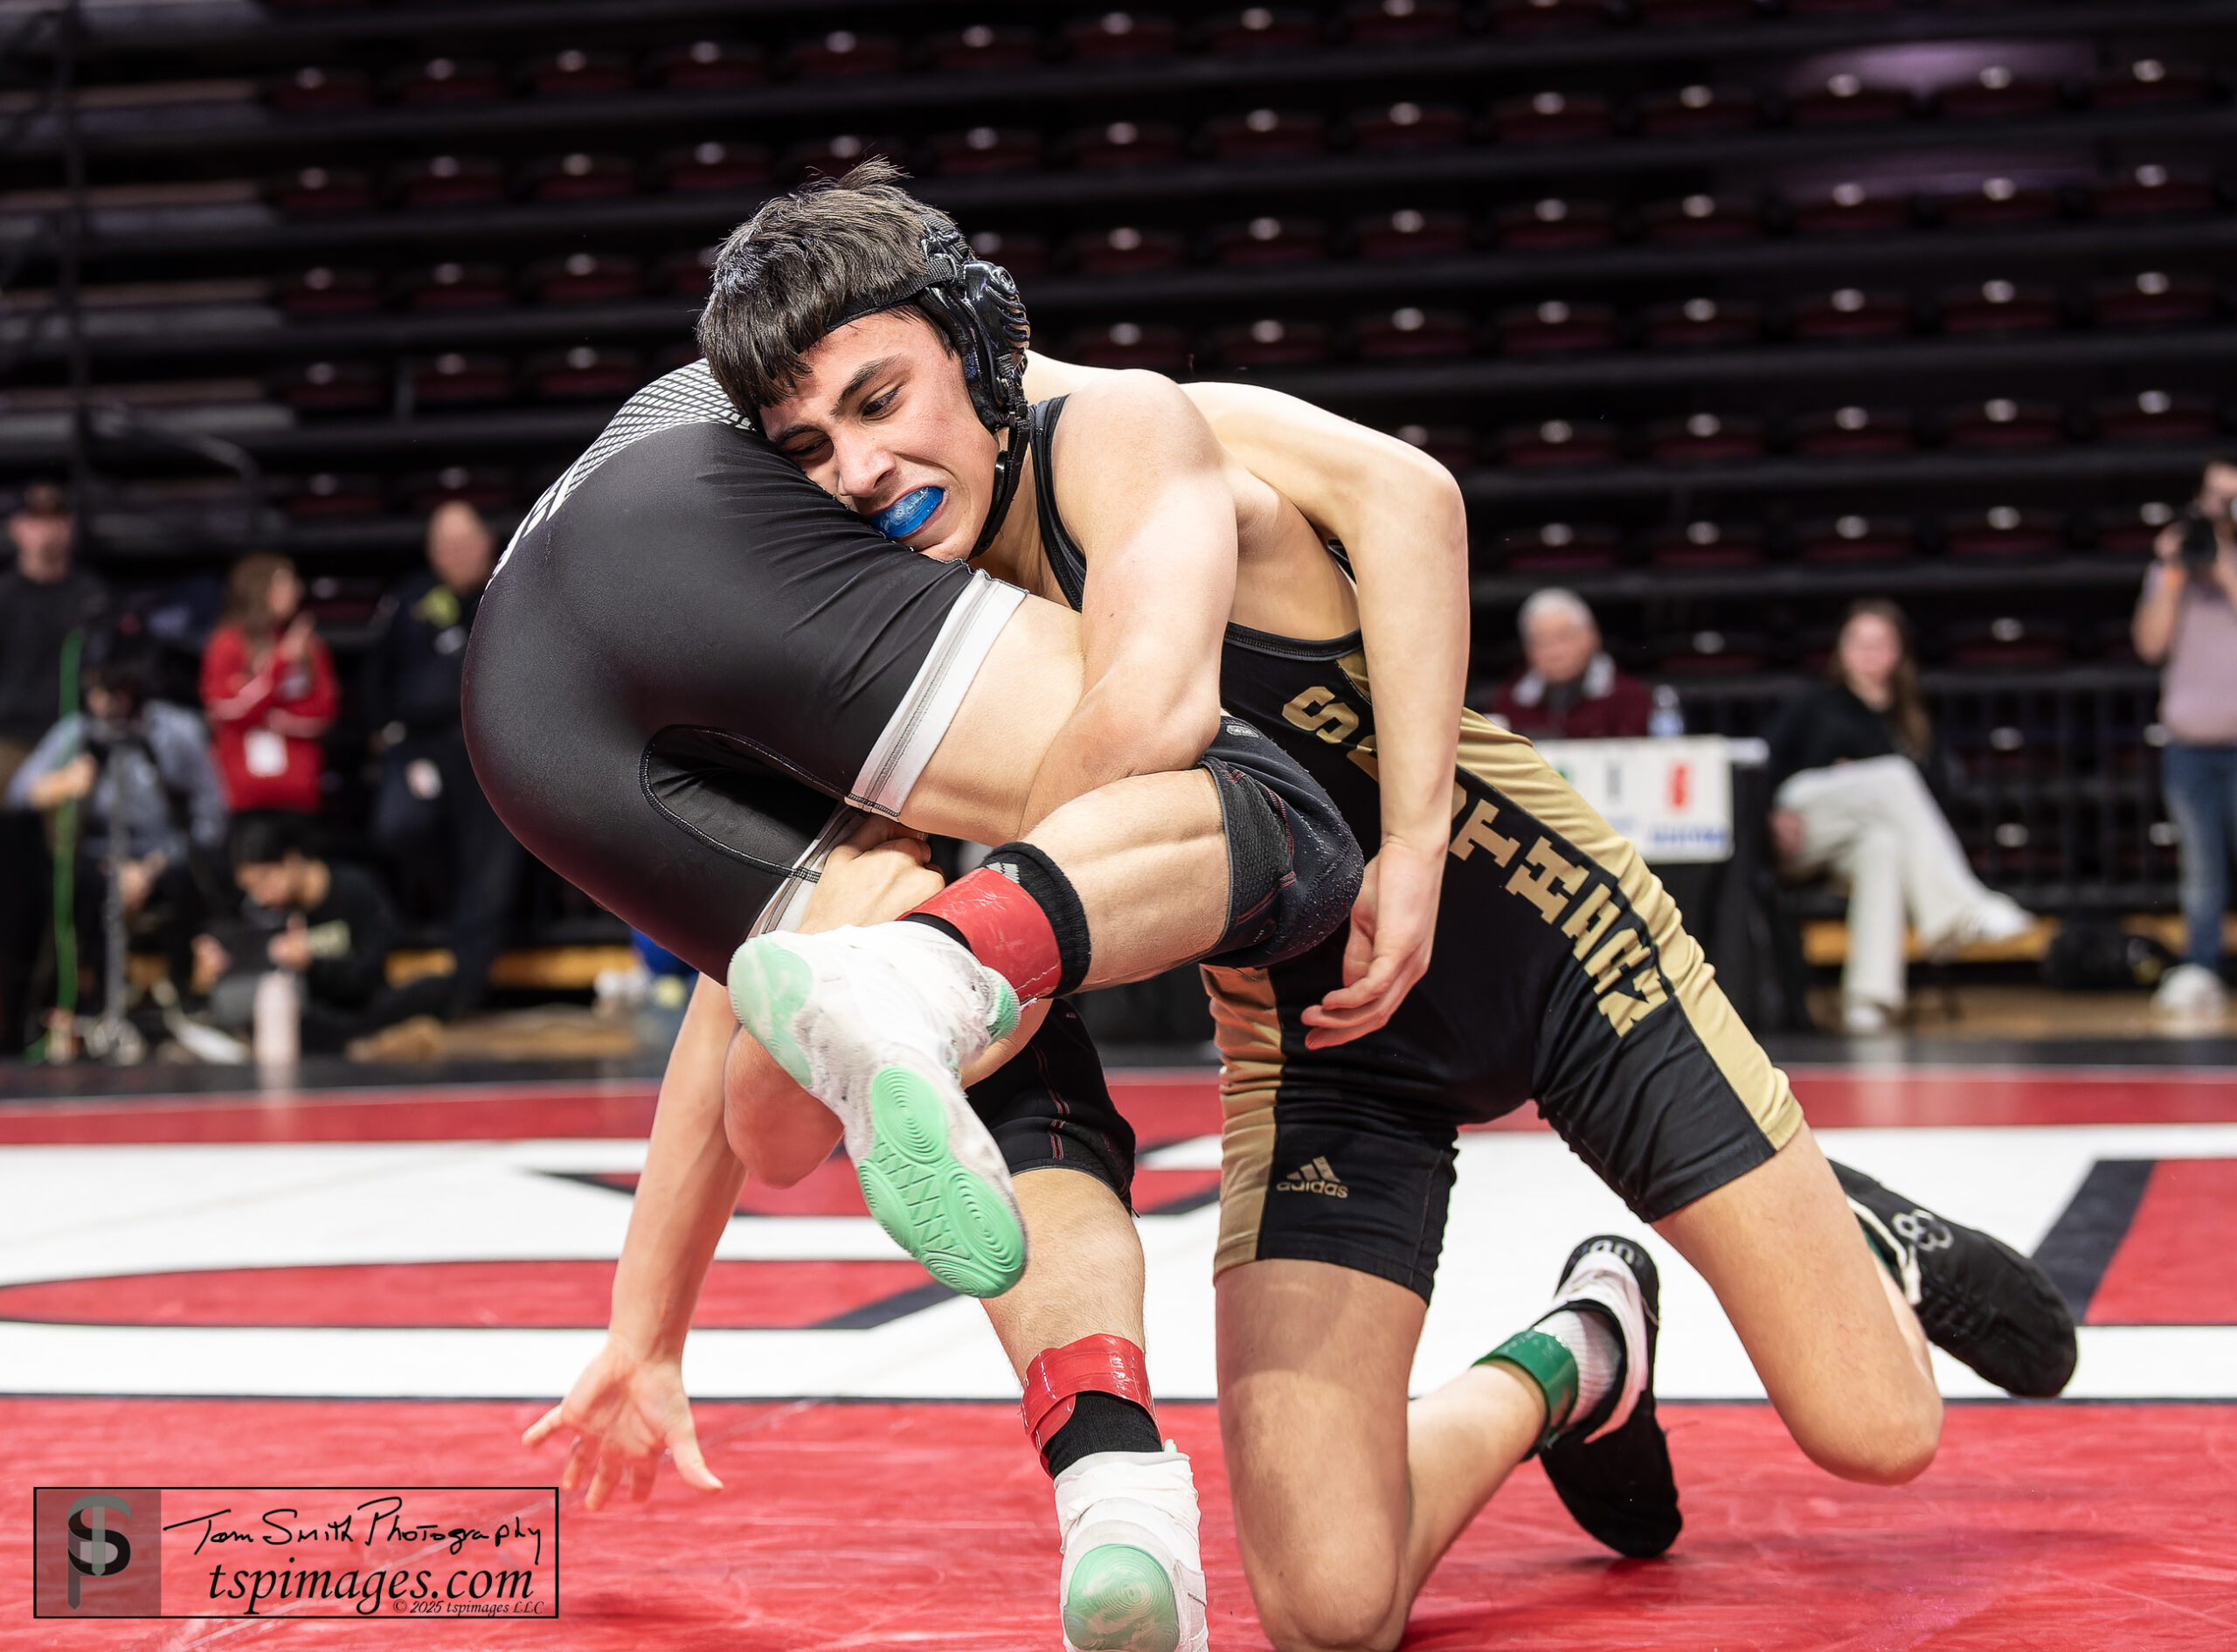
pixel 802 265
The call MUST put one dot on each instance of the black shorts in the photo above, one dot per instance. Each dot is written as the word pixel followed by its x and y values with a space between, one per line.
pixel 1561 972
pixel 694 671
pixel 1048 1107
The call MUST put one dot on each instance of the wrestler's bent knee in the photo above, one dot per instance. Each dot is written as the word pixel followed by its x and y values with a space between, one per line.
pixel 1293 864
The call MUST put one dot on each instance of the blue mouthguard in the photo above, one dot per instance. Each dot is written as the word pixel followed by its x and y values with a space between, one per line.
pixel 909 513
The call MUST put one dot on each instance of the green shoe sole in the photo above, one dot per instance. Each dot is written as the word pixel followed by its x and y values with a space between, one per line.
pixel 1120 1600
pixel 947 1217
pixel 768 985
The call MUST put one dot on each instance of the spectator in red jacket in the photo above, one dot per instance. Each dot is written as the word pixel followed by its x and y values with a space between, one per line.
pixel 268 689
pixel 1572 689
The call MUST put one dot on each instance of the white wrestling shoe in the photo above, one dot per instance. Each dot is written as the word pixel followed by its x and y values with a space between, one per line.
pixel 1133 1580
pixel 876 1023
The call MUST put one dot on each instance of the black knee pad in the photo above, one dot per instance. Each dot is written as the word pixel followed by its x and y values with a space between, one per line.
pixel 1293 865
pixel 1048 1107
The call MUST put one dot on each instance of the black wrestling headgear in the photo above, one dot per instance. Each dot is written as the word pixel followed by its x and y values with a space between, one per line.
pixel 976 304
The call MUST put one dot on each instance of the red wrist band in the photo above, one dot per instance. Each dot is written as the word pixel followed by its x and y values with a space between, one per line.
pixel 1101 1364
pixel 1005 928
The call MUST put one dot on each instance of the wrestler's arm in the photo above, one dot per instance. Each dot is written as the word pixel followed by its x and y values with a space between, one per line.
pixel 1152 509
pixel 1404 525
pixel 1401 520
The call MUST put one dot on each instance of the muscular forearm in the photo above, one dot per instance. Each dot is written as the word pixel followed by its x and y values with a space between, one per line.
pixel 688 1192
pixel 1401 520
pixel 1128 723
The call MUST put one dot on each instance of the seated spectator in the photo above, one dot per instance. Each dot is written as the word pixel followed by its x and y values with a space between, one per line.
pixel 328 922
pixel 1572 689
pixel 2186 623
pixel 267 685
pixel 132 764
pixel 1849 767
pixel 43 599
pixel 430 813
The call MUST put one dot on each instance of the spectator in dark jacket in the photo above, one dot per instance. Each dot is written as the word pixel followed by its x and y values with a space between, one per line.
pixel 329 922
pixel 1849 766
pixel 43 599
pixel 1572 689
pixel 431 813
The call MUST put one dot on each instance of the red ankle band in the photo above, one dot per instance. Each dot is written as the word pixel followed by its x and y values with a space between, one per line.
pixel 1005 928
pixel 1101 1364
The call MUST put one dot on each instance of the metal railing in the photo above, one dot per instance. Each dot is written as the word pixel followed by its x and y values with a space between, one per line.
pixel 2053 781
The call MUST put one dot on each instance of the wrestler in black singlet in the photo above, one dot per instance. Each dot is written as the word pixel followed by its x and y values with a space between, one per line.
pixel 693 669
pixel 1560 971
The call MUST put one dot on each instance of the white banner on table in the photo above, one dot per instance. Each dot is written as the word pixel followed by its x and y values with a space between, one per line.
pixel 1671 797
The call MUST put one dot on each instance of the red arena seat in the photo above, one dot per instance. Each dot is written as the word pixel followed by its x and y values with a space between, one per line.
pixel 2003 421
pixel 1270 341
pixel 1556 324
pixel 483 486
pixel 1553 222
pixel 2004 531
pixel 2154 298
pixel 1851 207
pixel 686 274
pixel 714 165
pixel 1997 89
pixel 1560 547
pixel 322 188
pixel 1561 442
pixel 1854 538
pixel 448 80
pixel 1704 543
pixel 572 71
pixel 325 290
pixel 1154 346
pixel 450 180
pixel 1702 321
pixel 1410 126
pixel 1267 134
pixel 1126 249
pixel 1851 312
pixel 330 386
pixel 834 157
pixel 2000 199
pixel 1844 98
pixel 1410 330
pixel 1706 437
pixel 709 64
pixel 1553 117
pixel 1261 28
pixel 987 149
pixel 1698 108
pixel 2134 530
pixel 1702 216
pixel 585 372
pixel 579 175
pixel 316 90
pixel 982 48
pixel 1535 16
pixel 458 378
pixel 842 51
pixel 1451 445
pixel 1118 36
pixel 328 493
pixel 2151 80
pixel 1018 251
pixel 2158 415
pixel 1267 240
pixel 1372 23
pixel 586 278
pixel 1126 144
pixel 1409 232
pixel 2153 191
pixel 1854 429
pixel 1999 305
pixel 453 286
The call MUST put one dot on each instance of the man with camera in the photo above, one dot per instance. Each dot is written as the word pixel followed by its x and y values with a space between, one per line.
pixel 2186 622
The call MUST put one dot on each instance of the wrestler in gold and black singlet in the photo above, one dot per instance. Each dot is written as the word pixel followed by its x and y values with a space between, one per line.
pixel 1560 973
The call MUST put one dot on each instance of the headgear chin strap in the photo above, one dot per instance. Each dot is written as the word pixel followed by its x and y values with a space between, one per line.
pixel 976 304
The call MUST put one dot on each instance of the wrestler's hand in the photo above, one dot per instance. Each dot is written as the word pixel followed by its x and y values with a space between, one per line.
pixel 625 1410
pixel 878 874
pixel 1394 921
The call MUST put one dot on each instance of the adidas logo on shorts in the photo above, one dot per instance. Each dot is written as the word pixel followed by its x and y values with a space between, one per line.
pixel 1314 1176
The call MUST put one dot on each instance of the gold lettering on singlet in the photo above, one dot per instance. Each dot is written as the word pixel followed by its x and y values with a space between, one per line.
pixel 1317 711
pixel 1477 835
pixel 1551 886
pixel 1594 915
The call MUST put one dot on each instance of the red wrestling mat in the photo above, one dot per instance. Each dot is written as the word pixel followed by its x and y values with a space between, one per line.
pixel 2081 1527
pixel 2173 1266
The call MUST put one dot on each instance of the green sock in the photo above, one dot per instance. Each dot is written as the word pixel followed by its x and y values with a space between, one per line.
pixel 1551 1369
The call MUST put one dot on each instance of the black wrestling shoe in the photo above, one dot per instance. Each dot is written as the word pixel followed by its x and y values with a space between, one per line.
pixel 1611 1467
pixel 1978 1300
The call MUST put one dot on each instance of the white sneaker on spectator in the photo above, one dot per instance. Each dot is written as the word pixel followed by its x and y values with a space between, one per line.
pixel 1861 1018
pixel 2190 989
